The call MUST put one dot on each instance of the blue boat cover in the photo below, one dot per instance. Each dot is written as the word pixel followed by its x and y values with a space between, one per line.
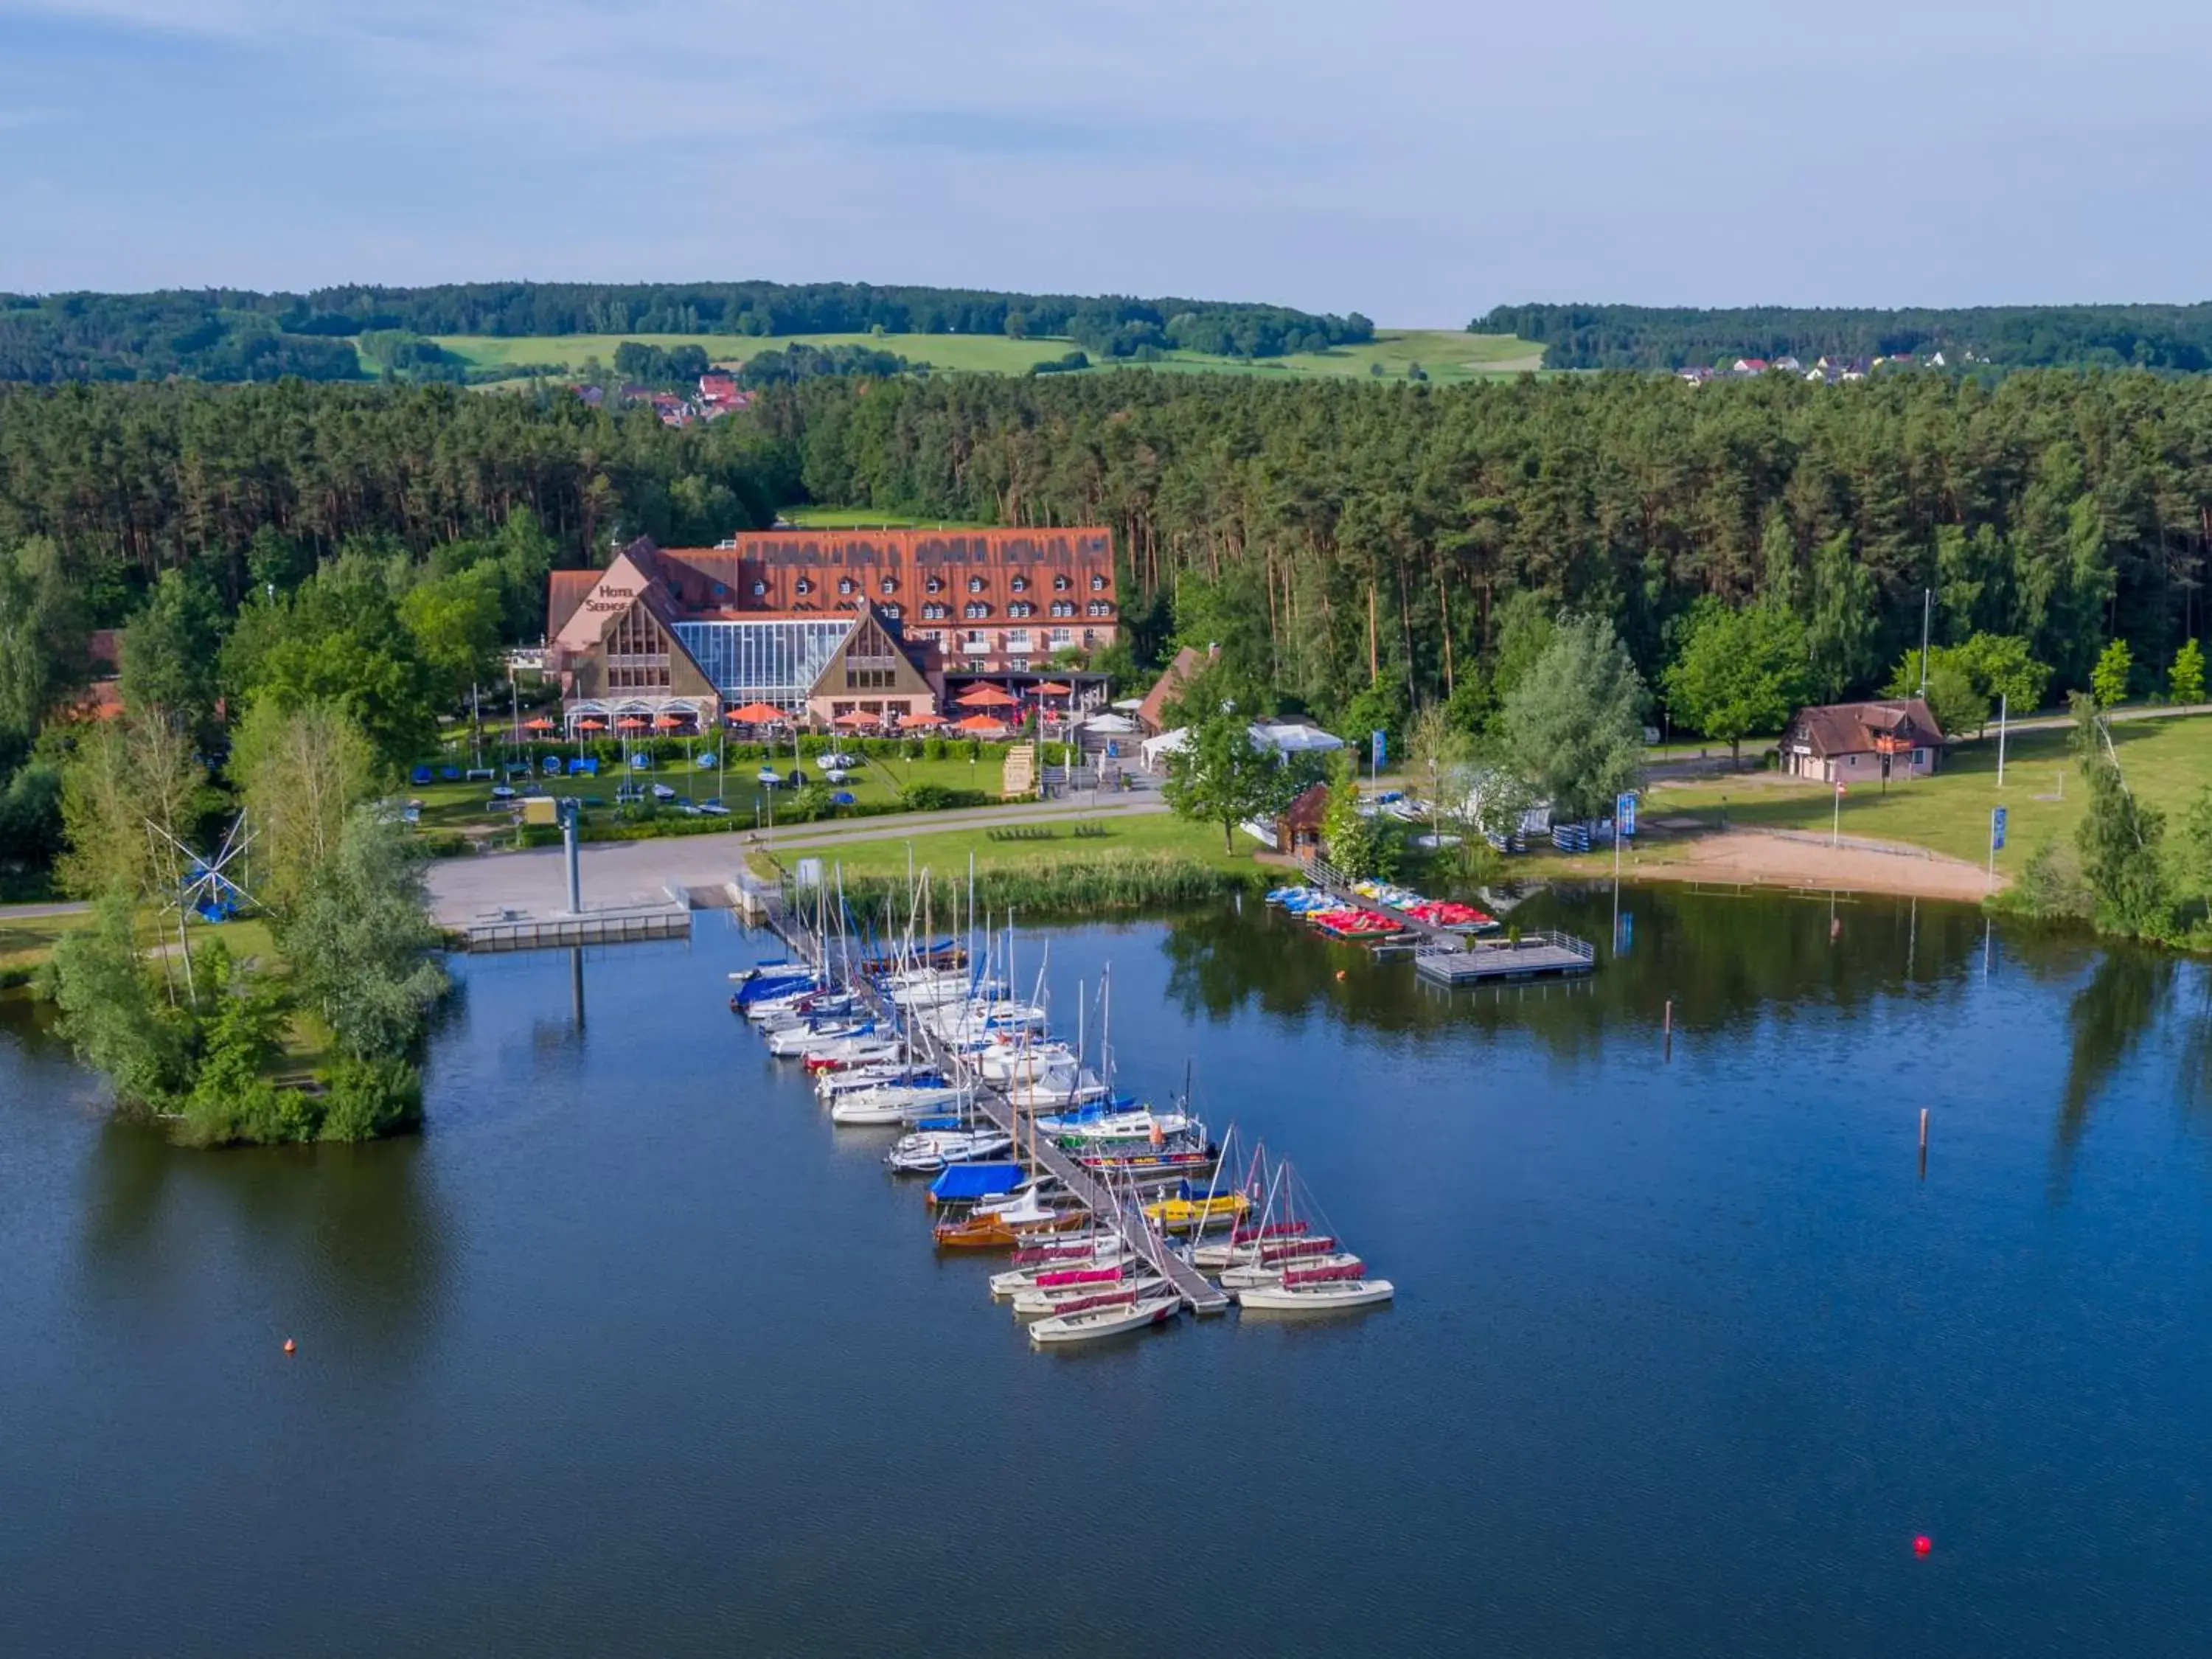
pixel 975 1180
pixel 1197 1190
pixel 929 1123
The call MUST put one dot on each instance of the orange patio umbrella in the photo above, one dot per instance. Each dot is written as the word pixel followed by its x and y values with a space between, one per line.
pixel 979 723
pixel 756 714
pixel 540 724
pixel 912 721
pixel 985 696
pixel 1052 689
pixel 588 725
pixel 668 723
pixel 630 723
pixel 855 719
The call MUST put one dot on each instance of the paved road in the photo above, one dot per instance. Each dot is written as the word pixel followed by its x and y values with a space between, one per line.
pixel 32 912
pixel 639 872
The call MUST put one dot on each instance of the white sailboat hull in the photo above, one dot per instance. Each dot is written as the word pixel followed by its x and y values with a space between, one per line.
pixel 1106 1323
pixel 1317 1298
pixel 1043 1303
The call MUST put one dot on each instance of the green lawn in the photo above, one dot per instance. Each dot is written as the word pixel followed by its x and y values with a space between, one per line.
pixel 2167 761
pixel 946 852
pixel 469 807
pixel 25 941
pixel 1446 355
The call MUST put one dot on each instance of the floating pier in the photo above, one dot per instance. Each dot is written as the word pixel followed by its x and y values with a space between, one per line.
pixel 522 930
pixel 1540 955
pixel 1453 955
pixel 1199 1294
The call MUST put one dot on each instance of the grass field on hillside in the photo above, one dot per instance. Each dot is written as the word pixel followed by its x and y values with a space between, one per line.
pixel 868 518
pixel 1445 355
pixel 2167 761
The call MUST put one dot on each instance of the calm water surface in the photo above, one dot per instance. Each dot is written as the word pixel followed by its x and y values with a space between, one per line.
pixel 633 1353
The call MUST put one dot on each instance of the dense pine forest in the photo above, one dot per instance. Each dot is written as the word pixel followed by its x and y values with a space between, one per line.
pixel 1340 536
pixel 1352 536
pixel 2177 339
pixel 225 334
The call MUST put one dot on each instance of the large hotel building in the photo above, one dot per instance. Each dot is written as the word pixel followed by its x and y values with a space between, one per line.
pixel 822 624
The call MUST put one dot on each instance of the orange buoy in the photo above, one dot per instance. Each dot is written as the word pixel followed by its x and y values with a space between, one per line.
pixel 1339 973
pixel 291 1346
pixel 1922 1544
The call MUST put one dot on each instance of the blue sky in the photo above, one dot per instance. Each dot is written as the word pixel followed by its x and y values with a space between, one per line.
pixel 1417 161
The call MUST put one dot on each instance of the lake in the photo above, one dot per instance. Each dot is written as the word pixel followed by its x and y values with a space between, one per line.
pixel 633 1352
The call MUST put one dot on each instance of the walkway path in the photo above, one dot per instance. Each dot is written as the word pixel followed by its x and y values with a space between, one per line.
pixel 641 871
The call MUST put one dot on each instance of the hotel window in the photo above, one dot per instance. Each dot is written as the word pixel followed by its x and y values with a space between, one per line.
pixel 1099 608
pixel 805 585
pixel 1020 584
pixel 1063 607
pixel 975 584
pixel 974 610
pixel 1098 584
pixel 888 585
pixel 1089 639
pixel 1060 582
pixel 759 589
pixel 844 584
pixel 934 585
pixel 1019 665
pixel 1061 637
pixel 893 612
pixel 1021 608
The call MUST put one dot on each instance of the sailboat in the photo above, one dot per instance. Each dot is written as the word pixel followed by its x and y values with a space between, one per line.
pixel 1318 1289
pixel 1096 1323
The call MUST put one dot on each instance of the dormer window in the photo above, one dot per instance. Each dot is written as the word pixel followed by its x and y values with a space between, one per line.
pixel 1020 584
pixel 976 610
pixel 805 584
pixel 844 584
pixel 888 585
pixel 934 585
pixel 1060 582
pixel 760 589
pixel 975 584
pixel 1098 584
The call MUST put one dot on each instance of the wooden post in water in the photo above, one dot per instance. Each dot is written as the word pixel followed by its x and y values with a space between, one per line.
pixel 1923 1143
pixel 1668 1029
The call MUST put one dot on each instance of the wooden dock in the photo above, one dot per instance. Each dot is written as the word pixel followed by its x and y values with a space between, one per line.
pixel 521 930
pixel 1200 1294
pixel 1531 955
pixel 1455 956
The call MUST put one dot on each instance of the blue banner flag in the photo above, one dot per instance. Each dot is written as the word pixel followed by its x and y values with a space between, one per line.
pixel 1624 814
pixel 1996 828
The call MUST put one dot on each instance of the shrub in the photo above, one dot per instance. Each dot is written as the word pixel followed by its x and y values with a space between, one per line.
pixel 938 798
pixel 933 749
pixel 365 1099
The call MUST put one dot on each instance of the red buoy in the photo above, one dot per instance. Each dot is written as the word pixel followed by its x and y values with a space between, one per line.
pixel 291 1346
pixel 1922 1544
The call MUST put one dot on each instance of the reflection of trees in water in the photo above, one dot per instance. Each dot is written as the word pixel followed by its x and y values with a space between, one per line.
pixel 360 1228
pixel 2123 997
pixel 1726 962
